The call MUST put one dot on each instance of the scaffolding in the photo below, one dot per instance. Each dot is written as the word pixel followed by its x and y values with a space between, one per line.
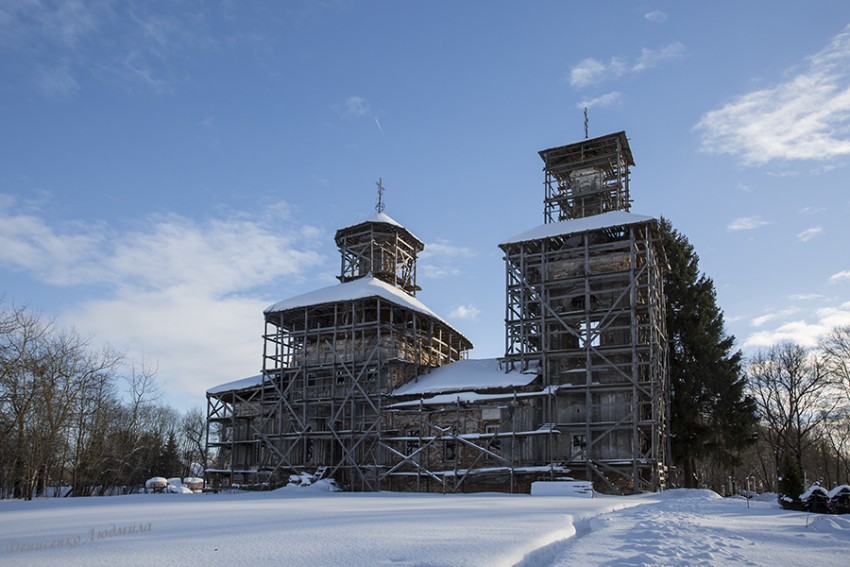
pixel 330 358
pixel 585 305
pixel 493 444
pixel 587 178
pixel 584 325
pixel 381 247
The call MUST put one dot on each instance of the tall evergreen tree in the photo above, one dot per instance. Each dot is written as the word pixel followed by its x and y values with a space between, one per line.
pixel 711 418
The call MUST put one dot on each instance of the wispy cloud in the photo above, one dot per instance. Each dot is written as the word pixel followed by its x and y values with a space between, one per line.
pixel 656 16
pixel 356 106
pixel 809 233
pixel 442 259
pixel 57 82
pixel 840 276
pixel 467 312
pixel 609 99
pixel 67 43
pixel 805 296
pixel 759 321
pixel 773 315
pixel 432 271
pixel 591 71
pixel 37 26
pixel 650 58
pixel 746 223
pixel 446 249
pixel 804 118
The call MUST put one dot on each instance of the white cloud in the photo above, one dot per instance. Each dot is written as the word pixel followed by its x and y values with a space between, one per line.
pixel 840 276
pixel 187 293
pixel 759 321
pixel 774 315
pixel 591 71
pixel 804 118
pixel 746 223
pixel 608 99
pixel 650 58
pixel 809 233
pixel 464 312
pixel 802 332
pixel 656 16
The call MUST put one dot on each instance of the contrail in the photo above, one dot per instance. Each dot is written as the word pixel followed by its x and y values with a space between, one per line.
pixel 379 126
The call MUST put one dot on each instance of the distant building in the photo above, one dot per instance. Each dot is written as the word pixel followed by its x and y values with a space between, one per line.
pixel 363 383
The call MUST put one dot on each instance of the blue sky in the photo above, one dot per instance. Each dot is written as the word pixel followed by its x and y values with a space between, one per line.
pixel 167 170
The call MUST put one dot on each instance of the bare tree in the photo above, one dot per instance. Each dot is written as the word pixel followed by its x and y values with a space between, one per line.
pixel 792 391
pixel 835 353
pixel 193 436
pixel 44 375
pixel 21 337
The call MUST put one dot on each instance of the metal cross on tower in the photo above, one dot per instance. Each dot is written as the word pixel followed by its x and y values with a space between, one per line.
pixel 585 122
pixel 380 206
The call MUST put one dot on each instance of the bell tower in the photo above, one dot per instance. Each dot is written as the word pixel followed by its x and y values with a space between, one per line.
pixel 587 178
pixel 381 247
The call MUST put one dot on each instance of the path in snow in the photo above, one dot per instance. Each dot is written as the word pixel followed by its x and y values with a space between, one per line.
pixel 700 528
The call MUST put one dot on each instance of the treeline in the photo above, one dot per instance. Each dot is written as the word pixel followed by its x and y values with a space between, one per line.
pixel 771 422
pixel 72 423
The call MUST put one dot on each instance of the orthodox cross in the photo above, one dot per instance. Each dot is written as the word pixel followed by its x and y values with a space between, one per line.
pixel 380 206
pixel 585 122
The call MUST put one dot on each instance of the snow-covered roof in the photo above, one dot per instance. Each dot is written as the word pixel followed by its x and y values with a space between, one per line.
pixel 381 218
pixel 471 397
pixel 464 375
pixel 237 385
pixel 575 226
pixel 360 288
pixel 814 489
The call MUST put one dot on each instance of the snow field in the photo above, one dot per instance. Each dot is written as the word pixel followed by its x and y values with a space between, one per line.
pixel 311 527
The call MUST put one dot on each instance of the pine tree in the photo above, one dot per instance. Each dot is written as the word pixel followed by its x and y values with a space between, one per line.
pixel 169 457
pixel 711 418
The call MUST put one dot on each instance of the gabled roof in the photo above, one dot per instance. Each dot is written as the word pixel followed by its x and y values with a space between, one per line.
pixel 464 375
pixel 236 385
pixel 576 226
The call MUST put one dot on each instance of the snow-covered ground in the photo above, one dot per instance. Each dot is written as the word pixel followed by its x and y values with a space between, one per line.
pixel 307 527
